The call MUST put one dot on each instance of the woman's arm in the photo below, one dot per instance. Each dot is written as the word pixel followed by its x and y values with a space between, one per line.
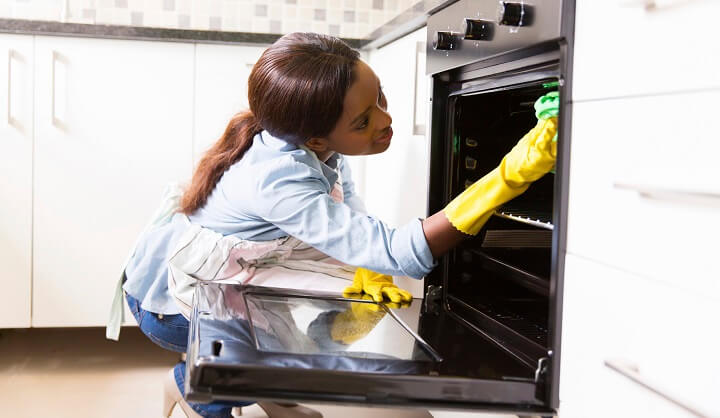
pixel 441 235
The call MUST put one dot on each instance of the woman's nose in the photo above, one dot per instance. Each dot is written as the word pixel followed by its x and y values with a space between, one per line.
pixel 384 119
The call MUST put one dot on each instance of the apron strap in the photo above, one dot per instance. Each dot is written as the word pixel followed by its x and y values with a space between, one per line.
pixel 169 204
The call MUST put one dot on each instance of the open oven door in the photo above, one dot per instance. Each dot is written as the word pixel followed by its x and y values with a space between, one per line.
pixel 254 343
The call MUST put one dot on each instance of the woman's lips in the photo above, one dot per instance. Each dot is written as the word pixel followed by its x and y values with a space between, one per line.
pixel 385 139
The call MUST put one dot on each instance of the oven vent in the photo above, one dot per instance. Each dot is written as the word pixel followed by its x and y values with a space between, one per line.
pixel 517 238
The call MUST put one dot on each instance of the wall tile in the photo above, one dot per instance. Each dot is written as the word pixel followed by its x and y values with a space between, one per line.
pixel 276 26
pixel 306 14
pixel 334 16
pixel 289 12
pixel 183 21
pixel 215 23
pixel 136 18
pixel 88 14
pixel 275 10
pixel 347 18
pixel 260 25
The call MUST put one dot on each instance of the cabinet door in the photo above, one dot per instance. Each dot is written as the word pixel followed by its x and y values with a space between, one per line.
pixel 634 48
pixel 396 181
pixel 16 137
pixel 635 347
pixel 113 126
pixel 221 75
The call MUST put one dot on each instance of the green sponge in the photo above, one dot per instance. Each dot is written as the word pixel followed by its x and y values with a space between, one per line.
pixel 546 107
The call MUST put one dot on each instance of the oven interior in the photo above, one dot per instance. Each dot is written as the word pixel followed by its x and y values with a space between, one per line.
pixel 499 281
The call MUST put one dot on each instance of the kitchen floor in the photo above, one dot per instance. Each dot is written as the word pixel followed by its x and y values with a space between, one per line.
pixel 76 372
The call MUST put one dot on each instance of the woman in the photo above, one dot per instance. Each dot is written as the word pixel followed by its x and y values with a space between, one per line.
pixel 277 179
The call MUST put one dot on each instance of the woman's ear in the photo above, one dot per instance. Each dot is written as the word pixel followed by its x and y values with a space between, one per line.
pixel 319 145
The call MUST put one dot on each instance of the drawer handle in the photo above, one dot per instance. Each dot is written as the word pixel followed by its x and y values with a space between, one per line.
pixel 631 372
pixel 668 194
pixel 11 56
pixel 59 121
pixel 650 5
pixel 55 121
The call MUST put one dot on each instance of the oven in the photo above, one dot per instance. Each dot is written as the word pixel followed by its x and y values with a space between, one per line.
pixel 486 336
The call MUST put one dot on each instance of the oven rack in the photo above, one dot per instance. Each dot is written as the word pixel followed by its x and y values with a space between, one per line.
pixel 513 332
pixel 517 275
pixel 530 217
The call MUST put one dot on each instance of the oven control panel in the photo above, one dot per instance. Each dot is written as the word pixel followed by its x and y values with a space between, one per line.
pixel 472 30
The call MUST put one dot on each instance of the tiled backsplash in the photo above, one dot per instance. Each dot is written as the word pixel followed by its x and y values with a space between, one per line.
pixel 346 18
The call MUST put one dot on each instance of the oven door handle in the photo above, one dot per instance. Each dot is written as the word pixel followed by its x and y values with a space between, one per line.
pixel 631 372
pixel 669 194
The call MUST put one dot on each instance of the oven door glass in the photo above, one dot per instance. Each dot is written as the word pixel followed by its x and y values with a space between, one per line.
pixel 252 343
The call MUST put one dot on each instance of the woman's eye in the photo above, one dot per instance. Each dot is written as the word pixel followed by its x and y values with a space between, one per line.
pixel 364 123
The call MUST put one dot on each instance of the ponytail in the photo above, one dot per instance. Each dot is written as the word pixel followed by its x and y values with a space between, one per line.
pixel 230 148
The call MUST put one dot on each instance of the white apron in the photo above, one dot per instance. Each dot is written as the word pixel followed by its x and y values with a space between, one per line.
pixel 205 255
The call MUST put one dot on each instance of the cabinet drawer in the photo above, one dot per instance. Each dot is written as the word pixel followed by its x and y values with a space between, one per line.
pixel 667 335
pixel 666 146
pixel 624 49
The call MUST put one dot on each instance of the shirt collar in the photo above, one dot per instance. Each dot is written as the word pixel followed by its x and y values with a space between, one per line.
pixel 328 167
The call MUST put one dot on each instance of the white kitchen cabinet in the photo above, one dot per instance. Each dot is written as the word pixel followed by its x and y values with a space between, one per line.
pixel 16 143
pixel 113 126
pixel 645 187
pixel 660 334
pixel 395 182
pixel 221 75
pixel 623 48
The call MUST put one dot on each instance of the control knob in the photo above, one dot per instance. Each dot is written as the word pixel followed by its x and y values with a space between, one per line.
pixel 479 30
pixel 515 14
pixel 444 41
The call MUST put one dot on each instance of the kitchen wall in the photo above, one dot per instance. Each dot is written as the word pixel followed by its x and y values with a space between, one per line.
pixel 346 18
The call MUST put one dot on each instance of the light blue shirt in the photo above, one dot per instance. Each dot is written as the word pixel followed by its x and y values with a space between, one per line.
pixel 275 190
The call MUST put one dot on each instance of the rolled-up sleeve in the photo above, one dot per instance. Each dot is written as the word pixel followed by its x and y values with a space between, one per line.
pixel 294 197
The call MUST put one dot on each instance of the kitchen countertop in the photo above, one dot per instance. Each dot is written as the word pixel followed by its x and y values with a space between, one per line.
pixel 408 21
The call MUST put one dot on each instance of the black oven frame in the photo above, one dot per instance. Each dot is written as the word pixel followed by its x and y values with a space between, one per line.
pixel 547 59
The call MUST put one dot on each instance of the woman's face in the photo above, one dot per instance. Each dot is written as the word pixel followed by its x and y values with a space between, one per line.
pixel 364 125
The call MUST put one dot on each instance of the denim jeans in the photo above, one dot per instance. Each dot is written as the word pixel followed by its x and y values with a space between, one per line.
pixel 171 333
pixel 168 331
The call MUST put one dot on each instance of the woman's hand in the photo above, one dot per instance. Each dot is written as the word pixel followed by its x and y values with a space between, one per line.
pixel 533 156
pixel 378 286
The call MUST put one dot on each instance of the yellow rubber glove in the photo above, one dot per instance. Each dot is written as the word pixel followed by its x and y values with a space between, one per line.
pixel 357 321
pixel 531 158
pixel 377 286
